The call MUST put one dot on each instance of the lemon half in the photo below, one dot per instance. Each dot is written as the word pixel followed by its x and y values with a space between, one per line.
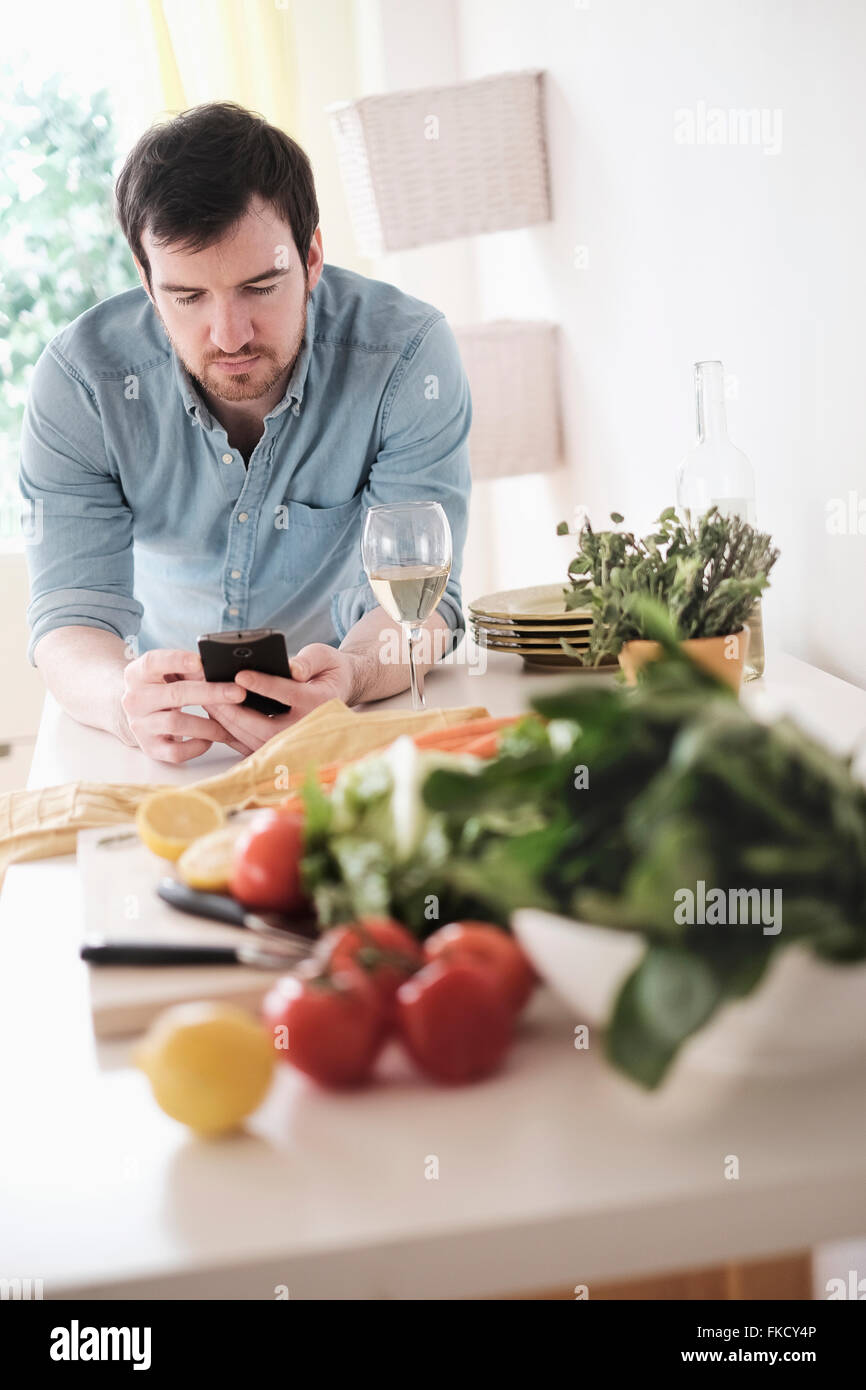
pixel 169 821
pixel 207 863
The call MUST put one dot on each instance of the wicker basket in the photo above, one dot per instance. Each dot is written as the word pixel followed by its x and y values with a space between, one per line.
pixel 513 373
pixel 442 162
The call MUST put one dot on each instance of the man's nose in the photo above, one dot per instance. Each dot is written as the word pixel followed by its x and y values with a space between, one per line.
pixel 231 329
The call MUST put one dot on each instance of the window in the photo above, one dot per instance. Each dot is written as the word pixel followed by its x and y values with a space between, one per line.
pixel 61 250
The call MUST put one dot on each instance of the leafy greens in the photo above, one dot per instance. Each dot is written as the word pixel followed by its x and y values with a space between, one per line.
pixel 602 809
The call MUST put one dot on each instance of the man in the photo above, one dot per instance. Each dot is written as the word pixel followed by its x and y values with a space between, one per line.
pixel 204 449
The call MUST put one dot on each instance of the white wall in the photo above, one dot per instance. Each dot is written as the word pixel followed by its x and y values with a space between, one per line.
pixel 403 45
pixel 400 47
pixel 700 251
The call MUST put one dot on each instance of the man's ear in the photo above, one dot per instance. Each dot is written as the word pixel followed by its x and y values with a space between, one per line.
pixel 315 259
pixel 143 277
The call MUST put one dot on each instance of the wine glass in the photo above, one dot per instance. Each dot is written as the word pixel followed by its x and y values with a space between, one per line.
pixel 406 550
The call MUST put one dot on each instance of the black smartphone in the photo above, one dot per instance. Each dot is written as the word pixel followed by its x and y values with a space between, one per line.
pixel 263 649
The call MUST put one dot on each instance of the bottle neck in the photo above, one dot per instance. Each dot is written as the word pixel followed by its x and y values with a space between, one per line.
pixel 710 401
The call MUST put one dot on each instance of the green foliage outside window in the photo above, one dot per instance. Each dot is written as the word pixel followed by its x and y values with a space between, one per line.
pixel 61 250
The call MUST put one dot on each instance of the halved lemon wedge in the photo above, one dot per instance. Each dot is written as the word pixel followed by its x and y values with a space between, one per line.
pixel 169 821
pixel 207 863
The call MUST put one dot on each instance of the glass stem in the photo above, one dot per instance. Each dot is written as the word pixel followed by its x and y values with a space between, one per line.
pixel 416 678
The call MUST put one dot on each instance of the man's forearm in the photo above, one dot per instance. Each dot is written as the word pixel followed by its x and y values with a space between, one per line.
pixel 380 648
pixel 83 668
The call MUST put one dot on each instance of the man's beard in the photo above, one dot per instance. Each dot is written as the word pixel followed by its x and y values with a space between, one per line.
pixel 245 386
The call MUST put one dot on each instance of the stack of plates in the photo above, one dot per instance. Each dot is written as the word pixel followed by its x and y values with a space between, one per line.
pixel 529 623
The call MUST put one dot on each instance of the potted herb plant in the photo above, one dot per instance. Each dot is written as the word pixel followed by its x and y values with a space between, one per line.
pixel 707 574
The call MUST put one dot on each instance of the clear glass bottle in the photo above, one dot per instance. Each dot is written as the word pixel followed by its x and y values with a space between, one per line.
pixel 714 472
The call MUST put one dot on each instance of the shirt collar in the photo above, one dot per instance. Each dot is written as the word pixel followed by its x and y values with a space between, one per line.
pixel 294 394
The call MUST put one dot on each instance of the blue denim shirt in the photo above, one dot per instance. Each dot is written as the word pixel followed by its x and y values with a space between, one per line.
pixel 146 523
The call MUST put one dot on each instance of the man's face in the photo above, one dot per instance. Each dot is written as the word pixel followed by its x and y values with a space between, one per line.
pixel 235 312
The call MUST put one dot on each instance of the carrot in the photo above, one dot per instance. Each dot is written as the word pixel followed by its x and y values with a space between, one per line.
pixel 470 729
pixel 447 745
pixel 479 736
pixel 326 774
pixel 484 747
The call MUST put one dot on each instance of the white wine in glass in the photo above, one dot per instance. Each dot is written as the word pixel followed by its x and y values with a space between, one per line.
pixel 409 593
pixel 406 550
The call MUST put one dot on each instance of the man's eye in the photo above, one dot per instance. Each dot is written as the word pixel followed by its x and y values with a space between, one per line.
pixel 256 289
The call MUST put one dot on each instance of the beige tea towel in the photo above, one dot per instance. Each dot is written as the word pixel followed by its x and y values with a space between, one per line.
pixel 44 822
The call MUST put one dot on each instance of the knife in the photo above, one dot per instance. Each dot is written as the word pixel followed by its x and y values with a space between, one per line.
pixel 301 933
pixel 98 951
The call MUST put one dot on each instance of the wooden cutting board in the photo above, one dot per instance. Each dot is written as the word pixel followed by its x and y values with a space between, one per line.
pixel 119 880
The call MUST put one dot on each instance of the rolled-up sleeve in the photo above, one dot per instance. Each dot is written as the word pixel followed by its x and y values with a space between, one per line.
pixel 423 457
pixel 79 525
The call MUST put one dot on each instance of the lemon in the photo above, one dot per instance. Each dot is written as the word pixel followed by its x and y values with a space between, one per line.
pixel 209 1065
pixel 207 863
pixel 169 821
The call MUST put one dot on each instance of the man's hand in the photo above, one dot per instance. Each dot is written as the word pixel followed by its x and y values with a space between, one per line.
pixel 319 673
pixel 362 670
pixel 155 687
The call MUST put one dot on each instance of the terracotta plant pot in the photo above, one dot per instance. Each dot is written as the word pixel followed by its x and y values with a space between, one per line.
pixel 723 657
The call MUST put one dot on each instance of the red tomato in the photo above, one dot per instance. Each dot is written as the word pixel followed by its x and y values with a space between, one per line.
pixel 454 1020
pixel 381 947
pixel 485 944
pixel 328 1026
pixel 266 868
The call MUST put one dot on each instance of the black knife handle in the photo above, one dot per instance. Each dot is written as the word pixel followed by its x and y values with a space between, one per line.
pixel 152 953
pixel 215 905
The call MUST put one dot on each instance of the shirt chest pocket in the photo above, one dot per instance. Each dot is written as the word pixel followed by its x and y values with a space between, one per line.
pixel 319 540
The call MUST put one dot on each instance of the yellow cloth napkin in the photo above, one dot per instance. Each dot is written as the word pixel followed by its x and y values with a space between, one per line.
pixel 45 822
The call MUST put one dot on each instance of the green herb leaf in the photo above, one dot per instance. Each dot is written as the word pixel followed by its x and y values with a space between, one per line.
pixel 669 996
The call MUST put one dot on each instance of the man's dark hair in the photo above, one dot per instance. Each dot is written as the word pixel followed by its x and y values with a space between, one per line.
pixel 190 180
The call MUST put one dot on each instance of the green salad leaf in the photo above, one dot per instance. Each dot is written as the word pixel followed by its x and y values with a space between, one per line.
pixel 607 809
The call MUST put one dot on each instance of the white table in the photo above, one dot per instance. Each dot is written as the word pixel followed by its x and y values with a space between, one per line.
pixel 555 1172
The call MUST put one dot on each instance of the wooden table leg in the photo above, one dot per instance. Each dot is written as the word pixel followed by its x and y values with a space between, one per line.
pixel 786 1277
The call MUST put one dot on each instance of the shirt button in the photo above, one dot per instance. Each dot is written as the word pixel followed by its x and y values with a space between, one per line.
pixel 233 612
pixel 236 574
pixel 243 516
pixel 227 458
